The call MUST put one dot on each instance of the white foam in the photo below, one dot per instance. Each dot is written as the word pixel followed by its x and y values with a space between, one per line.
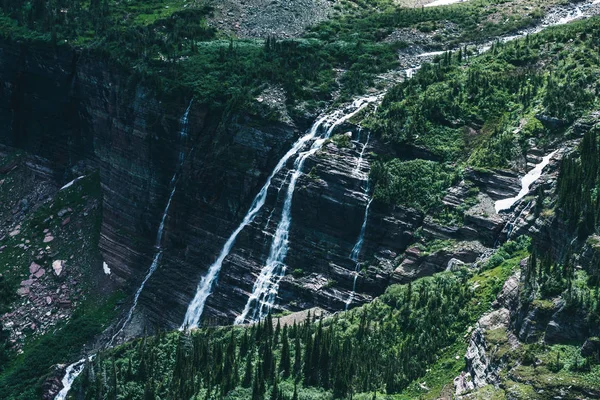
pixel 526 182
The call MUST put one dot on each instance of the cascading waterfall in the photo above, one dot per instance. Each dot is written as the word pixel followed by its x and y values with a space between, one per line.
pixel 71 372
pixel 356 170
pixel 75 369
pixel 196 306
pixel 266 287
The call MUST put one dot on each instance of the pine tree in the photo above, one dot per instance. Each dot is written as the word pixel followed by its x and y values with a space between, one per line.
pixel 297 357
pixel 247 381
pixel 284 363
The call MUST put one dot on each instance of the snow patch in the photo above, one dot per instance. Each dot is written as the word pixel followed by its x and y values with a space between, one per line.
pixel 526 182
pixel 445 2
pixel 72 182
pixel 106 268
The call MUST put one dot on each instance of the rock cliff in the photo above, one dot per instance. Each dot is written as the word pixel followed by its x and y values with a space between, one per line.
pixel 90 115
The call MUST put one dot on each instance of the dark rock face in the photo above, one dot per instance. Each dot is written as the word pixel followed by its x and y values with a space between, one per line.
pixel 96 114
pixel 53 383
pixel 567 326
pixel 591 348
pixel 93 113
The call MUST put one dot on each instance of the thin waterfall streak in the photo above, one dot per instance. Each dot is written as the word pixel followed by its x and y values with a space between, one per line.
pixel 75 369
pixel 356 170
pixel 183 133
pixel 355 254
pixel 276 200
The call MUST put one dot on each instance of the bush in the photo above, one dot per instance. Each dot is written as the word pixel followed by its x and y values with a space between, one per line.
pixel 419 184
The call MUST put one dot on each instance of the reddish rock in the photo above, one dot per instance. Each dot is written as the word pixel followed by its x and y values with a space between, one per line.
pixel 64 303
pixel 40 273
pixel 48 238
pixel 48 300
pixel 23 291
pixel 66 221
pixel 34 267
pixel 28 282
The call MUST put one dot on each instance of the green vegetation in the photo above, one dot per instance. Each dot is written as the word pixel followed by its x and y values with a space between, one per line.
pixel 23 377
pixel 381 347
pixel 22 373
pixel 169 46
pixel 418 183
pixel 482 111
pixel 578 187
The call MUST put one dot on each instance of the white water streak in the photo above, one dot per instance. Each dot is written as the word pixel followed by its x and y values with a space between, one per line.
pixel 526 182
pixel 444 3
pixel 356 170
pixel 159 234
pixel 75 369
pixel 196 306
pixel 354 255
pixel 71 373
pixel 266 286
pixel 72 182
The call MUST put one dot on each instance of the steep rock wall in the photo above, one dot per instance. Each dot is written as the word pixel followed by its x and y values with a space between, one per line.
pixel 82 113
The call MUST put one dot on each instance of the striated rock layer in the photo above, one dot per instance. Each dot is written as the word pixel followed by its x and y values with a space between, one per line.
pixel 88 114
pixel 91 115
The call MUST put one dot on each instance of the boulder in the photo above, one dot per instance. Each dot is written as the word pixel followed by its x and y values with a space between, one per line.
pixel 591 348
pixel 58 266
pixel 34 267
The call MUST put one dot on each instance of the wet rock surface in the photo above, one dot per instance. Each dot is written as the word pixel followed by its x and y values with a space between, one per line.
pixel 131 138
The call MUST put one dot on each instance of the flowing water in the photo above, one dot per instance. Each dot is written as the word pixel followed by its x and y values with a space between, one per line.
pixel 75 369
pixel 356 170
pixel 71 372
pixel 266 285
pixel 196 306
pixel 354 255
pixel 444 3
pixel 526 182
pixel 159 234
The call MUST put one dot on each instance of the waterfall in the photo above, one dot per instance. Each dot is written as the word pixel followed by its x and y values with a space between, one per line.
pixel 526 182
pixel 196 306
pixel 266 286
pixel 71 373
pixel 183 133
pixel 75 369
pixel 356 170
pixel 357 249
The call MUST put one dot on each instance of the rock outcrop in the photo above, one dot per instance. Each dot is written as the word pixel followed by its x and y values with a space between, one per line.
pixel 481 367
pixel 99 117
pixel 95 115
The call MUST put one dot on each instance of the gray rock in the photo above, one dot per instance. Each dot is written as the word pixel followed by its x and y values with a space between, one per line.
pixel 591 348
